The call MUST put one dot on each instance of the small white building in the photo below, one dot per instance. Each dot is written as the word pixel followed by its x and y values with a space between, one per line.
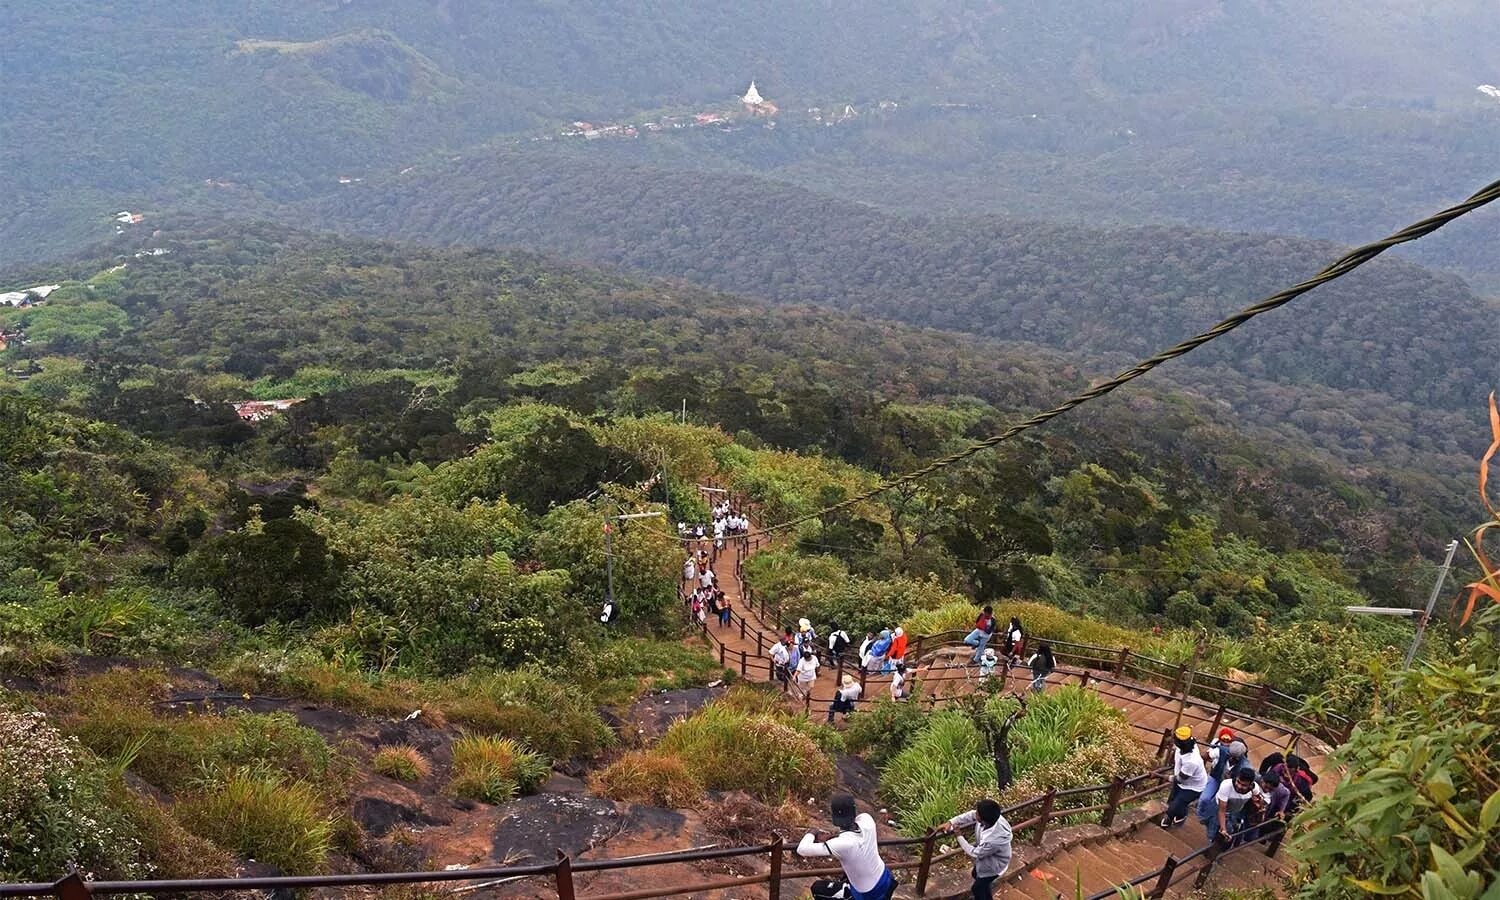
pixel 28 296
pixel 752 97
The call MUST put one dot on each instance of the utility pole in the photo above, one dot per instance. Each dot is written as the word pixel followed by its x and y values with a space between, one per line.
pixel 1422 616
pixel 609 548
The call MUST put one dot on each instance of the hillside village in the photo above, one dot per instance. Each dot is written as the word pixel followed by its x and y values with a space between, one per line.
pixel 751 106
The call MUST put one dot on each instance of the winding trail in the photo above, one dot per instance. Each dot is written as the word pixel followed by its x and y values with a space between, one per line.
pixel 1095 859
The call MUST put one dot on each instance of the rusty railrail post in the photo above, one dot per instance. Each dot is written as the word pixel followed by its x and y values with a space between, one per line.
pixel 1041 827
pixel 1120 663
pixel 73 887
pixel 1116 791
pixel 744 660
pixel 1165 880
pixel 564 877
pixel 924 868
pixel 1213 730
pixel 773 887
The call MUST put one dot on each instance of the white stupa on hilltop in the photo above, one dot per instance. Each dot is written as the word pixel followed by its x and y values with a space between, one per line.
pixel 752 97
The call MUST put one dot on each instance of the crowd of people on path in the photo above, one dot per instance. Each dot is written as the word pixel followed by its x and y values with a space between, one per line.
pixel 702 596
pixel 726 522
pixel 1235 800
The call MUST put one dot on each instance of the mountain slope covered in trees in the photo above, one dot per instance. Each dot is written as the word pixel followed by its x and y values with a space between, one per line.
pixel 158 106
pixel 1393 327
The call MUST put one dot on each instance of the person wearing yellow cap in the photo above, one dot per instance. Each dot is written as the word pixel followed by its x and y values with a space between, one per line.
pixel 1189 778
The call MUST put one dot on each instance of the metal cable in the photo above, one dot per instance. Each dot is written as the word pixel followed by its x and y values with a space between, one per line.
pixel 1337 269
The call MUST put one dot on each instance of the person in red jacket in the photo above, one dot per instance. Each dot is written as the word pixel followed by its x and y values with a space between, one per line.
pixel 898 646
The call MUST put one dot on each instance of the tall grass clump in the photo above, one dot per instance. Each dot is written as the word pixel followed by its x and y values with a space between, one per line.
pixel 649 776
pixel 402 762
pixel 764 755
pixel 495 769
pixel 1068 738
pixel 943 766
pixel 264 817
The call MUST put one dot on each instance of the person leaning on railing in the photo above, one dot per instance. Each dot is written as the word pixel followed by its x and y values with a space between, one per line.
pixel 857 848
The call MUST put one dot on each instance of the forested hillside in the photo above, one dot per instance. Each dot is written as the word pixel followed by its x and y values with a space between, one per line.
pixel 1394 327
pixel 283 641
pixel 179 105
pixel 235 312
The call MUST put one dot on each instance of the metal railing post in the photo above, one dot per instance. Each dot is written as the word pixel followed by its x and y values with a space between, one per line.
pixel 1213 731
pixel 1120 663
pixel 924 867
pixel 774 885
pixel 1262 698
pixel 1274 844
pixel 564 877
pixel 73 887
pixel 1165 880
pixel 1116 791
pixel 1177 679
pixel 721 656
pixel 1041 827
pixel 744 662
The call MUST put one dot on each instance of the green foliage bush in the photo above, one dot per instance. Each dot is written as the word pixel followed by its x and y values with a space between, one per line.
pixel 56 807
pixel 549 715
pixel 114 715
pixel 495 769
pixel 1069 737
pixel 882 728
pixel 1417 811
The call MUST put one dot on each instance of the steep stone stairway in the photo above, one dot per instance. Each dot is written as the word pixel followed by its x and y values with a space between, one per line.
pixel 1098 860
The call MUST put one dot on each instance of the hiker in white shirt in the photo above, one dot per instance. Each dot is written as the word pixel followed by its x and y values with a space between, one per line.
pixel 807 671
pixel 844 698
pixel 690 570
pixel 1189 778
pixel 857 848
pixel 781 659
pixel 898 682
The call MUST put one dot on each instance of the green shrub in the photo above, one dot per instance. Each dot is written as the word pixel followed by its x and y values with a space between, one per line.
pixel 114 714
pixel 1068 738
pixel 882 728
pixel 495 769
pixel 622 668
pixel 761 754
pixel 649 776
pixel 264 817
pixel 553 717
pixel 402 762
pixel 171 849
pixel 1041 621
pixel 54 812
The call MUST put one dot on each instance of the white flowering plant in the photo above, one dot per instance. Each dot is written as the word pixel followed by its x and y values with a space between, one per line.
pixel 54 811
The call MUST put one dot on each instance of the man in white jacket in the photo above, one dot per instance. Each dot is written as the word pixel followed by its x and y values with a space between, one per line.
pixel 1189 778
pixel 857 848
pixel 991 848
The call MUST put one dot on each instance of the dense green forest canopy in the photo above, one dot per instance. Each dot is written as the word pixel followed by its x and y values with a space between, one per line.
pixel 404 350
pixel 423 530
pixel 1394 328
